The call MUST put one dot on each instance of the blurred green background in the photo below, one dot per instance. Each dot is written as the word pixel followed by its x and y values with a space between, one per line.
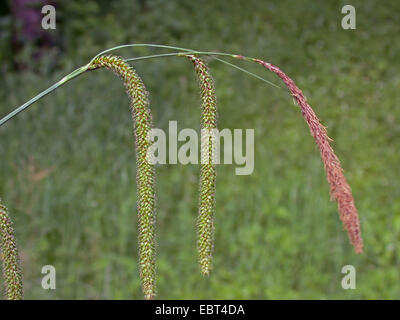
pixel 67 166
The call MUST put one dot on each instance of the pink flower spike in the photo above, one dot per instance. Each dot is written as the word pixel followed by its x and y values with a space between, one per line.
pixel 339 188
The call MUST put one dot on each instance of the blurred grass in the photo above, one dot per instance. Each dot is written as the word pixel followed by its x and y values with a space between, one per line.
pixel 68 164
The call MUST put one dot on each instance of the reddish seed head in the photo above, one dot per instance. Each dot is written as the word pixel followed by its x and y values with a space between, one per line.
pixel 339 188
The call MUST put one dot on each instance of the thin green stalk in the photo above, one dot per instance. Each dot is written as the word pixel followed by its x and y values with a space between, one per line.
pixel 79 71
pixel 248 72
pixel 187 51
pixel 58 84
pixel 162 55
pixel 132 45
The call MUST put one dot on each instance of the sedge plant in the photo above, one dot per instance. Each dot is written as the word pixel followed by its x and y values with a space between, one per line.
pixel 145 171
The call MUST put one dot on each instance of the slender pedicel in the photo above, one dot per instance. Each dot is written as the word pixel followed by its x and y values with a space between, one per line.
pixel 142 124
pixel 205 220
pixel 11 263
pixel 81 70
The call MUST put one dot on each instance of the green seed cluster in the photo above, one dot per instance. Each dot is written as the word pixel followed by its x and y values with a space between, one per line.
pixel 205 220
pixel 11 264
pixel 142 123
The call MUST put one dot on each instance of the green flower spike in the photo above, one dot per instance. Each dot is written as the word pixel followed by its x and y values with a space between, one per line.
pixel 142 124
pixel 11 264
pixel 205 220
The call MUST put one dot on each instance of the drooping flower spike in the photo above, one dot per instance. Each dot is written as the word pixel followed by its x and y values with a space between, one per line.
pixel 145 172
pixel 339 188
pixel 205 220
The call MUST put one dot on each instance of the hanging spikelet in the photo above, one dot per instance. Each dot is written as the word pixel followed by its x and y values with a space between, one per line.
pixel 11 264
pixel 339 188
pixel 205 220
pixel 142 123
